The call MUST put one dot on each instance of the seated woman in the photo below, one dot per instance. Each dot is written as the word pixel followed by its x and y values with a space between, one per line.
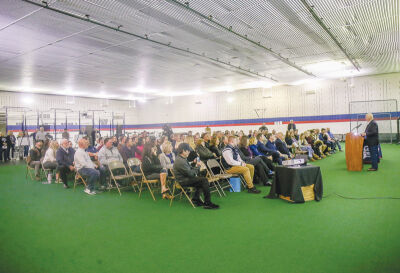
pixel 50 161
pixel 214 146
pixel 304 146
pixel 314 145
pixel 204 153
pixel 245 149
pixel 167 157
pixel 139 148
pixel 152 168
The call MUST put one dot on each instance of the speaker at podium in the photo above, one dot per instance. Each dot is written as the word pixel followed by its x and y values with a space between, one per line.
pixel 354 151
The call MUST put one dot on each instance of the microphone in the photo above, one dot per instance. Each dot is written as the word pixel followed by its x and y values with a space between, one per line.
pixel 358 126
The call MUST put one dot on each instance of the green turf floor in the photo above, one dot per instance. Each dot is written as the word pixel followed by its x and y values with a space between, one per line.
pixel 44 228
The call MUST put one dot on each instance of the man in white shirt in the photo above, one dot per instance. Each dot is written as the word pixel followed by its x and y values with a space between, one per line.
pixel 85 166
pixel 41 135
pixel 108 153
pixel 235 165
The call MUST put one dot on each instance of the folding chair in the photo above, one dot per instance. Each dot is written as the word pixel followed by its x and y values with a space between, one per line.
pixel 131 162
pixel 214 165
pixel 79 180
pixel 113 167
pixel 184 190
pixel 223 170
pixel 148 182
pixel 29 171
pixel 44 170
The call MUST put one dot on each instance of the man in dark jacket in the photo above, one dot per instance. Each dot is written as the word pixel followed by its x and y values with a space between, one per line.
pixel 35 156
pixel 291 125
pixel 187 176
pixel 372 140
pixel 269 148
pixel 10 139
pixel 65 160
pixel 281 145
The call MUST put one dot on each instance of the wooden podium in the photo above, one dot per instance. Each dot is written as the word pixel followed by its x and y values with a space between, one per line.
pixel 354 152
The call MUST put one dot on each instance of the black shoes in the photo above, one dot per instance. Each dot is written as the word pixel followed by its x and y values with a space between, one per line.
pixel 210 206
pixel 253 190
pixel 198 202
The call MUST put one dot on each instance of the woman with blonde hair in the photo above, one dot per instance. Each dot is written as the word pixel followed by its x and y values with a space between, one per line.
pixel 50 161
pixel 190 140
pixel 167 157
pixel 214 145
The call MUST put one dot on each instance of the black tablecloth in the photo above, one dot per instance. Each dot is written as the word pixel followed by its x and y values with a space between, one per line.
pixel 288 182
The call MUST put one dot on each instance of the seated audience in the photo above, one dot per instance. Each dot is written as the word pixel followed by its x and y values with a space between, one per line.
pixel 127 150
pixel 281 145
pixel 50 161
pixel 260 169
pixel 35 156
pixel 323 136
pixel 139 148
pixel 246 145
pixel 333 139
pixel 87 169
pixel 167 157
pixel 204 153
pixel 269 149
pixel 65 160
pixel 235 165
pixel 304 146
pixel 99 143
pixel 152 168
pixel 214 146
pixel 188 176
pixel 109 153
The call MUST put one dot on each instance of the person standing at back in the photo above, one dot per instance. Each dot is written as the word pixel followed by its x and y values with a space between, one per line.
pixel 371 135
pixel 291 125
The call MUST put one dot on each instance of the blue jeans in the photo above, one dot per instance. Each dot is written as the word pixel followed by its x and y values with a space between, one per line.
pixel 93 175
pixel 338 144
pixel 373 150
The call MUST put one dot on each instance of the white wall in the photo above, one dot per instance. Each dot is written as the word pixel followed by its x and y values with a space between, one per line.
pixel 331 97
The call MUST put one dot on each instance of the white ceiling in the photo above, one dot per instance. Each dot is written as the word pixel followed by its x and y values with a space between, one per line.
pixel 45 51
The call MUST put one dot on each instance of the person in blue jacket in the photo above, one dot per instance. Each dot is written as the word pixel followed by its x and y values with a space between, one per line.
pixel 269 148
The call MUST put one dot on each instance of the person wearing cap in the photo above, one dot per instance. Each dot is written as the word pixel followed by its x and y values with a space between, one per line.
pixel 188 176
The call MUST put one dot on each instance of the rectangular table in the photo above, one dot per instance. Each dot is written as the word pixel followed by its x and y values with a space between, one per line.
pixel 297 184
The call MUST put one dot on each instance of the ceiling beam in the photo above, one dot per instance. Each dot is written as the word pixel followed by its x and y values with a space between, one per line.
pixel 319 21
pixel 209 18
pixel 87 18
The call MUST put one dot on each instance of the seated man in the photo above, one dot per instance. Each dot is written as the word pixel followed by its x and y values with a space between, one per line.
pixel 269 148
pixel 187 176
pixel 86 168
pixel 35 155
pixel 235 165
pixel 323 136
pixel 332 138
pixel 109 153
pixel 65 160
pixel 281 145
